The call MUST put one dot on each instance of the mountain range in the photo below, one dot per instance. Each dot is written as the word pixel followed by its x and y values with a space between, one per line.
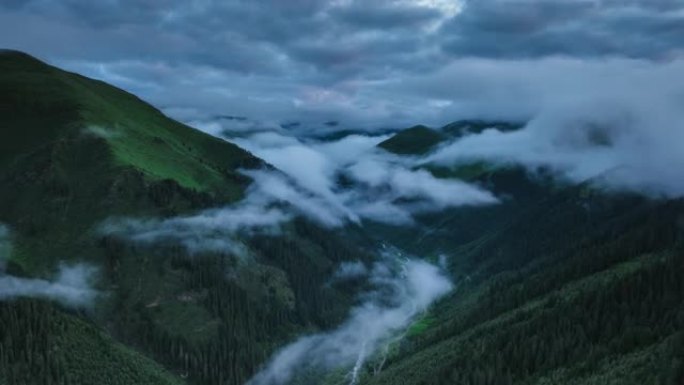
pixel 558 283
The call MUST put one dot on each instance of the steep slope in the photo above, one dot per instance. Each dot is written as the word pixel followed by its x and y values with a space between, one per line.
pixel 61 348
pixel 419 140
pixel 556 285
pixel 46 104
pixel 567 292
pixel 75 152
pixel 416 140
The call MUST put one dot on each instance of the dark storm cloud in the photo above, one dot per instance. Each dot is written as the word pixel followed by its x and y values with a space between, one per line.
pixel 117 31
pixel 309 41
pixel 581 28
pixel 344 60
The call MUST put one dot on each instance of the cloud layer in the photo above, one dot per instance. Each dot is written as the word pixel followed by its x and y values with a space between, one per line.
pixel 618 123
pixel 331 182
pixel 344 60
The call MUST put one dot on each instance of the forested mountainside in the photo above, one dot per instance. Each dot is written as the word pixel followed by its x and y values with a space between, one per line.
pixel 75 152
pixel 558 283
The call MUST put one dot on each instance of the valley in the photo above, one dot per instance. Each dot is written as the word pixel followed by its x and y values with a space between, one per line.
pixel 135 249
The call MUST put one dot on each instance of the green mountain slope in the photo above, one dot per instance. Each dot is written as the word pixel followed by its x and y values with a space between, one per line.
pixel 556 285
pixel 416 140
pixel 46 104
pixel 75 152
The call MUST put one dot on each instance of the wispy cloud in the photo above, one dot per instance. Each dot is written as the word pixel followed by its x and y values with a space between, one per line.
pixel 215 230
pixel 380 186
pixel 71 286
pixel 403 290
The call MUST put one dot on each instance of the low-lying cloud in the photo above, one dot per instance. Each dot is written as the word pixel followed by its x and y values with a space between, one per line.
pixel 625 135
pixel 353 180
pixel 71 287
pixel 330 182
pixel 402 293
pixel 350 270
pixel 215 230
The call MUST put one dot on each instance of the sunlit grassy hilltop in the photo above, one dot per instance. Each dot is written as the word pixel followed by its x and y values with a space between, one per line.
pixel 74 150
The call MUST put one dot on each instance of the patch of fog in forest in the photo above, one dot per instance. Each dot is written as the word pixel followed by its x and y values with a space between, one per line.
pixel 5 246
pixel 71 285
pixel 403 288
pixel 332 183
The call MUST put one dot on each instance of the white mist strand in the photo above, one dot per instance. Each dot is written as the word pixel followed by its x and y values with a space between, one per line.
pixel 71 286
pixel 369 327
pixel 358 365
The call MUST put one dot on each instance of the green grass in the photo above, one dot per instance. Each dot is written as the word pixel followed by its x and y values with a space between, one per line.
pixel 49 104
pixel 74 151
pixel 420 326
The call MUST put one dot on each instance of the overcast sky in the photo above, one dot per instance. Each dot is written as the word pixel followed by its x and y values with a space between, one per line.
pixel 362 62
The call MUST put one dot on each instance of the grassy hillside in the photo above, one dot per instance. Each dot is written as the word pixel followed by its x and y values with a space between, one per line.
pixel 74 152
pixel 419 140
pixel 42 104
